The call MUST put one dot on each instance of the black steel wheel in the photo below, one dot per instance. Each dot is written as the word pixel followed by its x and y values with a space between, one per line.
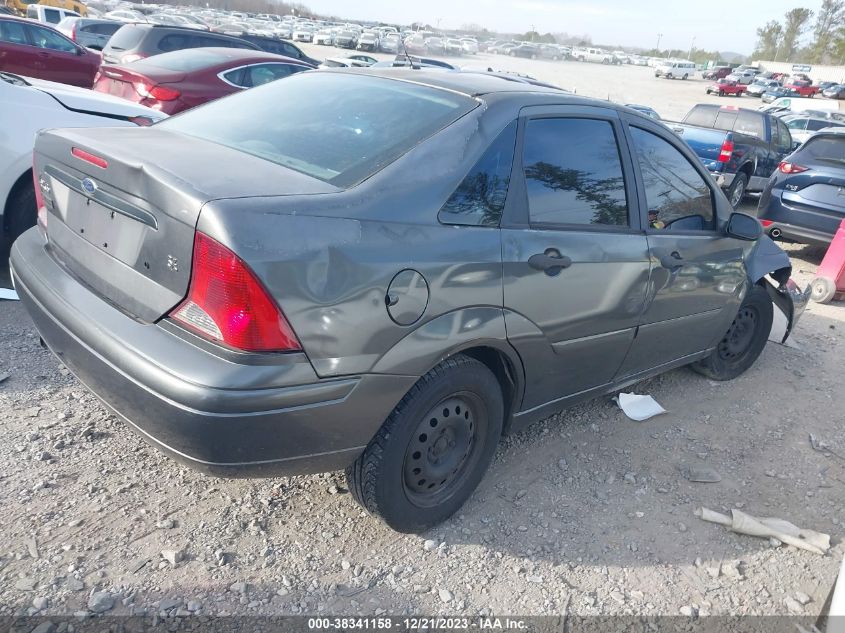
pixel 744 340
pixel 434 448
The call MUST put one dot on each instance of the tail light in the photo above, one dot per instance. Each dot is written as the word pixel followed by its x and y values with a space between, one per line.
pixel 727 151
pixel 228 304
pixel 73 31
pixel 131 57
pixel 41 185
pixel 159 93
pixel 791 168
pixel 766 223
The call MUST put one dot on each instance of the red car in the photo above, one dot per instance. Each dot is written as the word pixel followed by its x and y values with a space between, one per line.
pixel 727 87
pixel 176 81
pixel 35 50
pixel 804 88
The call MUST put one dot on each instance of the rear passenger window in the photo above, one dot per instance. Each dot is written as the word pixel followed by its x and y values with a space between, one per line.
pixel 750 123
pixel 12 32
pixel 674 189
pixel 480 198
pixel 573 173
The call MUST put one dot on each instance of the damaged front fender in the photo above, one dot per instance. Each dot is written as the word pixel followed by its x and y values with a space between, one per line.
pixel 767 258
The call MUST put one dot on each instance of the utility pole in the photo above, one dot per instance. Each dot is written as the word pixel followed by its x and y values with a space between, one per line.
pixel 691 46
pixel 532 32
pixel 659 36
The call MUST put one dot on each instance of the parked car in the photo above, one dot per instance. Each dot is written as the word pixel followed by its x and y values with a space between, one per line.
pixel 414 45
pixel 740 148
pixel 368 41
pixel 803 88
pixel 453 46
pixel 391 43
pixel 675 69
pixel 646 110
pixel 773 94
pixel 404 61
pixel 803 200
pixel 303 34
pixel 346 39
pixel 824 85
pixel 551 51
pixel 801 126
pixel 325 37
pixel 125 15
pixel 502 48
pixel 532 51
pixel 49 15
pixel 835 92
pixel 435 46
pixel 47 105
pixel 418 340
pixel 343 62
pixel 174 82
pixel 36 50
pixel 717 72
pixel 91 33
pixel 136 41
pixel 367 59
pixel 757 87
pixel 470 46
pixel 279 47
pixel 724 87
pixel 743 76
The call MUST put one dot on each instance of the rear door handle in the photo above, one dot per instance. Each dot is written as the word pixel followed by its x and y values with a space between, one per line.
pixel 672 261
pixel 551 261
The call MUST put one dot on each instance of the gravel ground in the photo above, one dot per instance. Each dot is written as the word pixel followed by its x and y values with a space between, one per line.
pixel 586 512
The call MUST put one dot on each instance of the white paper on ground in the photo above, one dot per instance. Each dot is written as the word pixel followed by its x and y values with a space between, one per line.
pixel 8 294
pixel 779 323
pixel 638 407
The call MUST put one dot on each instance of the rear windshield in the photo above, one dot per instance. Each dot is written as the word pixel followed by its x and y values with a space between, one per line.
pixel 187 60
pixel 740 121
pixel 338 128
pixel 826 148
pixel 126 37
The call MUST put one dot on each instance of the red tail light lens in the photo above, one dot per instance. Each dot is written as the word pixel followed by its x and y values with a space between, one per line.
pixel 727 151
pixel 791 168
pixel 159 93
pixel 41 208
pixel 766 223
pixel 228 304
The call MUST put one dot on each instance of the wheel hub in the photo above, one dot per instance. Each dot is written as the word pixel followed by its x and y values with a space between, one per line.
pixel 439 448
pixel 739 336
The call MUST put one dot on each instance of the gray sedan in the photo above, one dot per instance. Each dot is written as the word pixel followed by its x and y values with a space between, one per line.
pixel 383 271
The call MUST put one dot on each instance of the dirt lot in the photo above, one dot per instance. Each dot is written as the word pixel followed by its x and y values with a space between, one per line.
pixel 587 512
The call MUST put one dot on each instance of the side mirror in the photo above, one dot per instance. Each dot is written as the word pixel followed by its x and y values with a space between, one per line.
pixel 796 145
pixel 743 227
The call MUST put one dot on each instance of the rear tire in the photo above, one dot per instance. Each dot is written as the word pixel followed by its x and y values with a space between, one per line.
pixel 744 340
pixel 822 290
pixel 737 189
pixel 433 449
pixel 23 210
pixel 685 77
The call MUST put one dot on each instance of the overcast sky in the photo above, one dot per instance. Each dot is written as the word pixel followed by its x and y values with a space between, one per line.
pixel 715 25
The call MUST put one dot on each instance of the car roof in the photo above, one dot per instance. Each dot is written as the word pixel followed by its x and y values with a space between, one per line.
pixel 226 54
pixel 470 83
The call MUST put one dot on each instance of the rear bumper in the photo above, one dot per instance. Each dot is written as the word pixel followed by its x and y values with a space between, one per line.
pixel 224 416
pixel 794 223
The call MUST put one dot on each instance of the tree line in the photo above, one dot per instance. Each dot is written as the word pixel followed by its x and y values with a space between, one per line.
pixel 781 41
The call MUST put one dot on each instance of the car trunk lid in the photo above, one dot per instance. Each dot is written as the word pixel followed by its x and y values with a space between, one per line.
pixel 123 206
pixel 132 83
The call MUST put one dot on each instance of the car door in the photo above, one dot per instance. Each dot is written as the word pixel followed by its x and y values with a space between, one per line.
pixel 17 55
pixel 697 274
pixel 61 58
pixel 574 254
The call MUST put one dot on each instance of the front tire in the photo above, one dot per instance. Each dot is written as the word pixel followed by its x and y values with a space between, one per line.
pixel 433 449
pixel 744 340
pixel 737 189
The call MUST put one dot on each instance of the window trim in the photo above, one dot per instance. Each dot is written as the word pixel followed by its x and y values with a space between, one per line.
pixel 692 159
pixel 222 74
pixel 516 215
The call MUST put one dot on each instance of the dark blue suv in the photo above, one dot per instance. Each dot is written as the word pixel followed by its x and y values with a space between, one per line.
pixel 804 200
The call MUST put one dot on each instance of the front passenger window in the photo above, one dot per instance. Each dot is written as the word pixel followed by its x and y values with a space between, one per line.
pixel 677 195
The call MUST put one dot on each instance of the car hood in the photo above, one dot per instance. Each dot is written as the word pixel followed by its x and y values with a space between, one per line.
pixel 83 100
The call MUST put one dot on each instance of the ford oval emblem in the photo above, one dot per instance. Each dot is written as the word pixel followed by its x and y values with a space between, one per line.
pixel 89 186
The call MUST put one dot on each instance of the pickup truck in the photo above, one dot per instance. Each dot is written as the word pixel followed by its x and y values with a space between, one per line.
pixel 726 87
pixel 804 88
pixel 741 148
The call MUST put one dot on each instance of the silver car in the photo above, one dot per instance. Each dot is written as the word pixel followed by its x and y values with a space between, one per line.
pixel 89 32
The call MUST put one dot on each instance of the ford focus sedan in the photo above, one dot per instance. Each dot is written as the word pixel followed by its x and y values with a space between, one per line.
pixel 383 271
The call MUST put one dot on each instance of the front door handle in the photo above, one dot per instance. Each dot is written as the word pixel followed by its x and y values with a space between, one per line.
pixel 551 261
pixel 672 261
